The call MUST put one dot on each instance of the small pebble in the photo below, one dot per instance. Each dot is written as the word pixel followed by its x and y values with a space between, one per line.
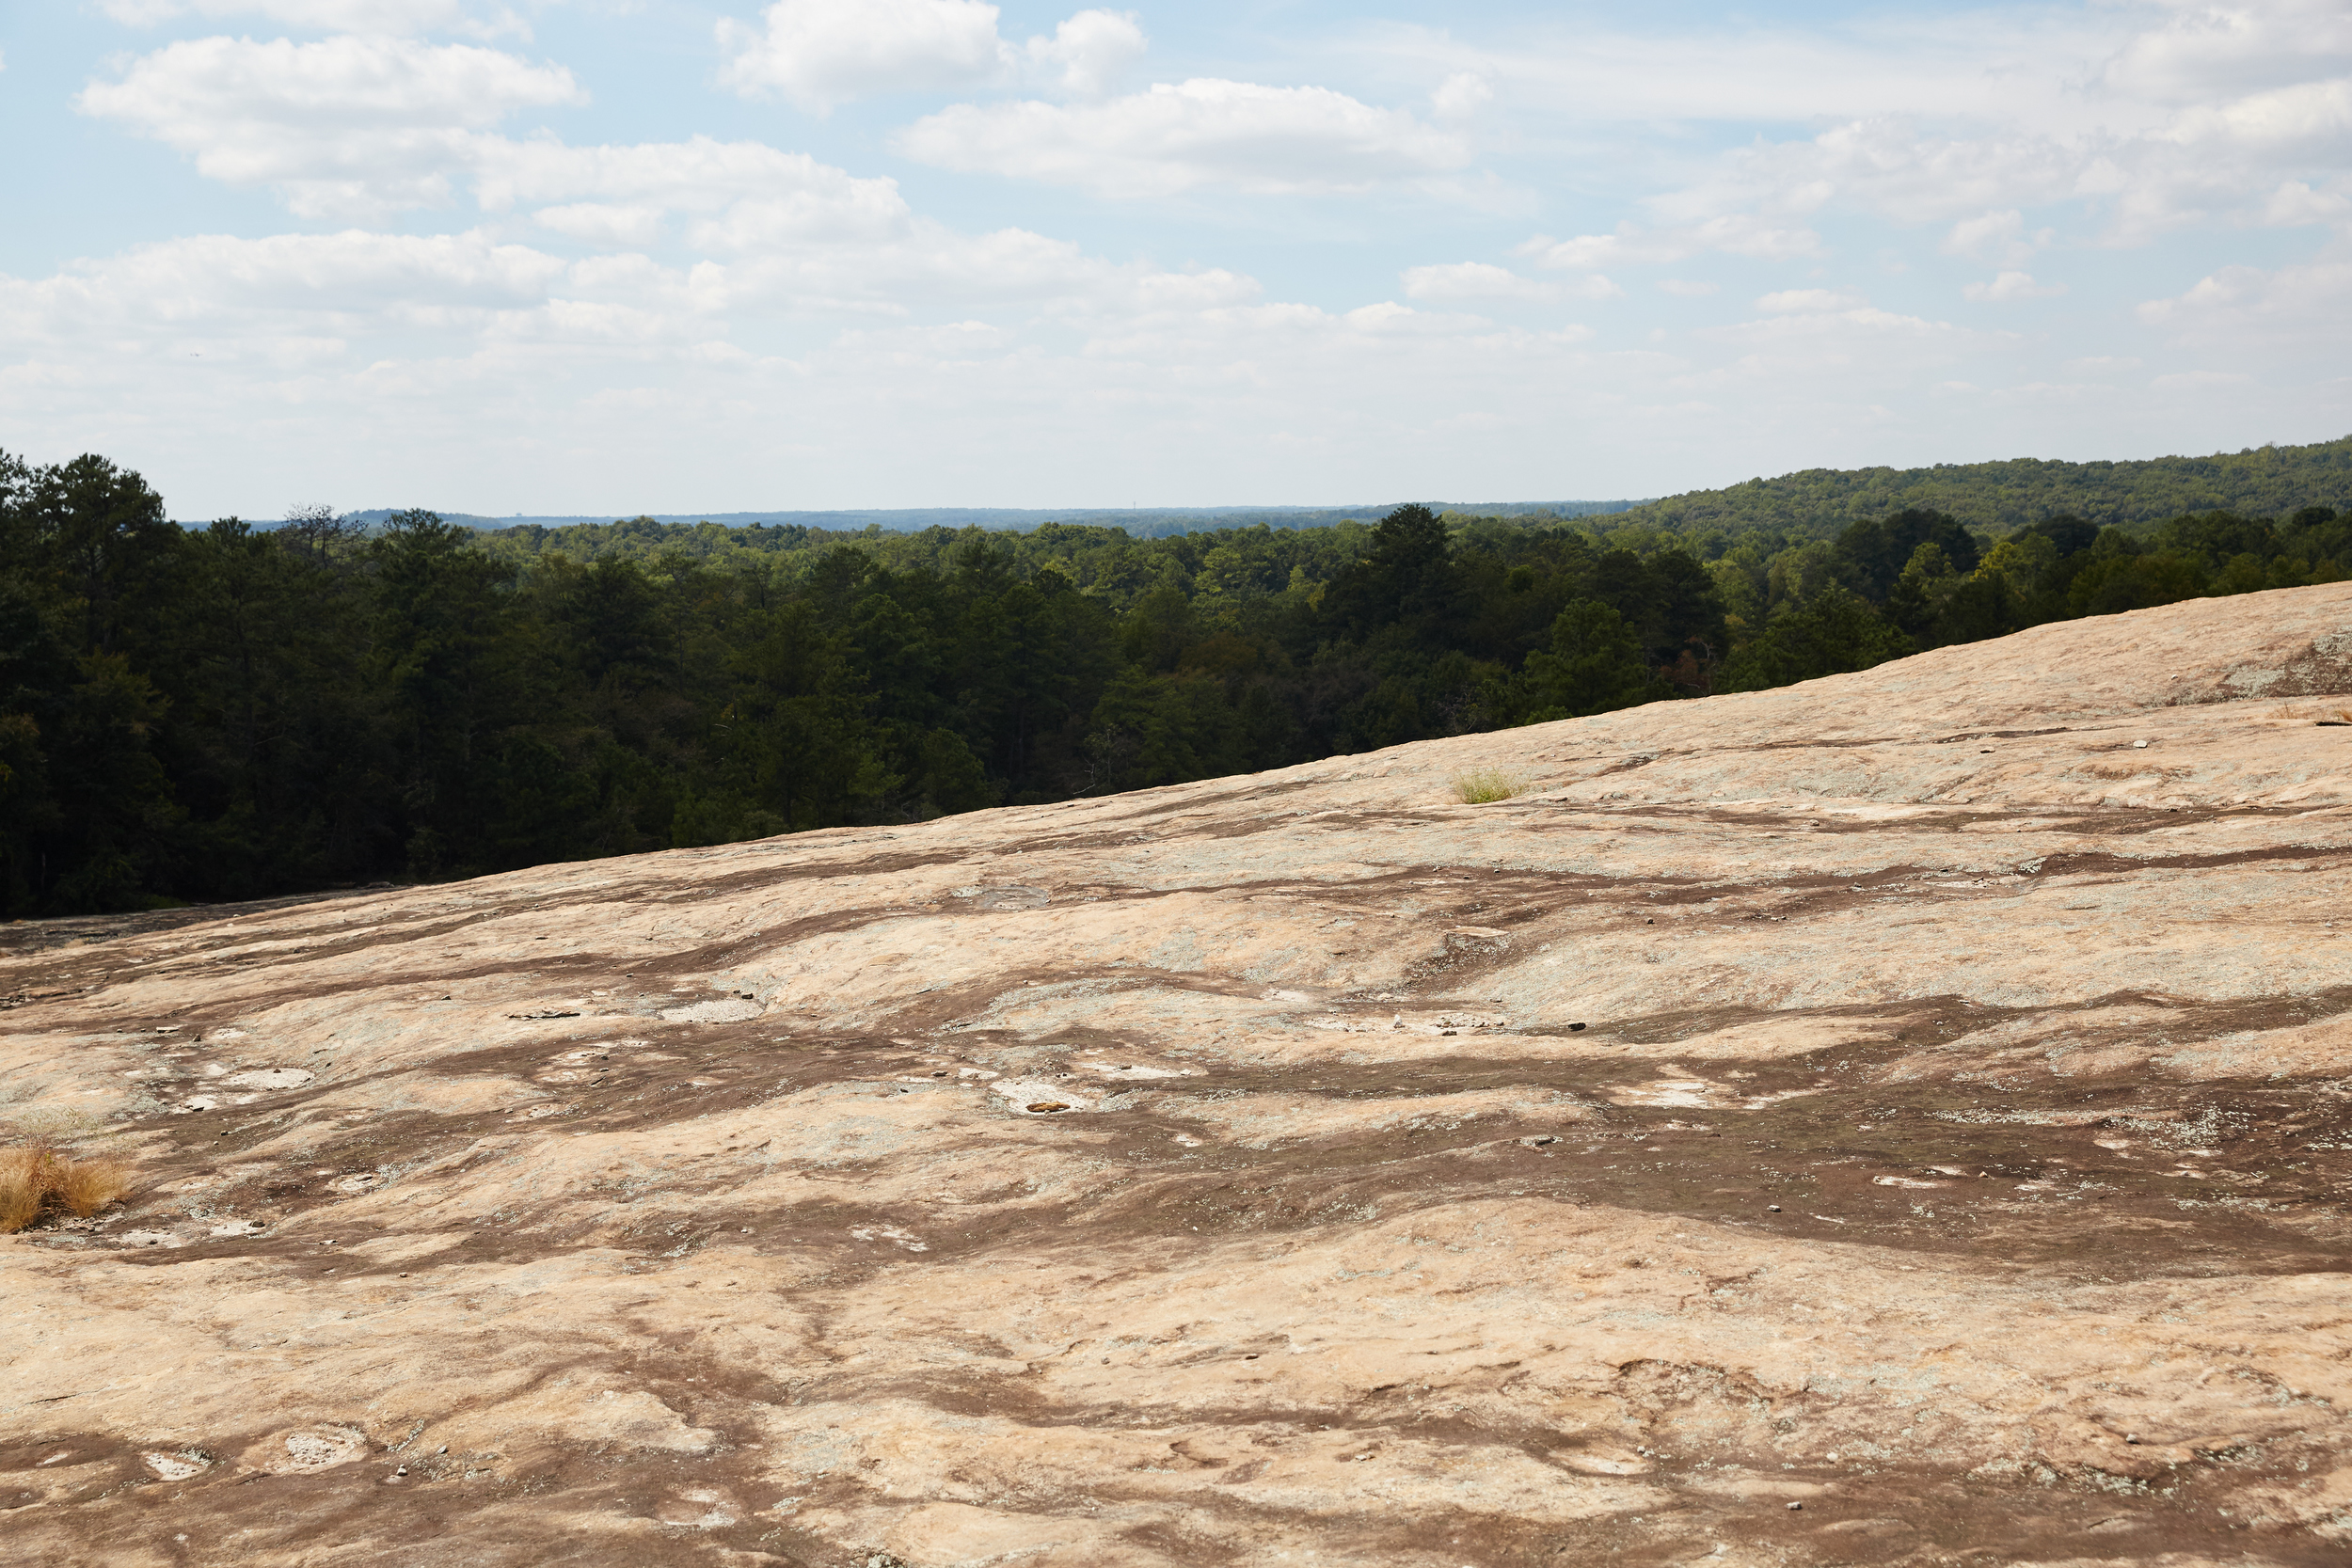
pixel 402 1471
pixel 1575 1028
pixel 2131 1437
pixel 443 1449
pixel 1771 1208
pixel 1796 1508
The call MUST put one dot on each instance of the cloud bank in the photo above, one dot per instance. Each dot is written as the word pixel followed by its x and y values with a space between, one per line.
pixel 905 256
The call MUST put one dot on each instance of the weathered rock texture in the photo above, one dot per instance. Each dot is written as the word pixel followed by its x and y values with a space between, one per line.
pixel 1920 1095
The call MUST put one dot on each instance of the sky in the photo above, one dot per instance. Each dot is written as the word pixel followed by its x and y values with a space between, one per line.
pixel 588 256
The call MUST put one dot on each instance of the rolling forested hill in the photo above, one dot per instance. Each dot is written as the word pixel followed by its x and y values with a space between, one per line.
pixel 1997 497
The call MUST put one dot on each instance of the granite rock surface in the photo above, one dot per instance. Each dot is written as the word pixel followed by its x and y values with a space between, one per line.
pixel 1902 1118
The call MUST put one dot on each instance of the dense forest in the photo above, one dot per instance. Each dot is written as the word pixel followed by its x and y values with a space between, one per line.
pixel 2261 481
pixel 227 711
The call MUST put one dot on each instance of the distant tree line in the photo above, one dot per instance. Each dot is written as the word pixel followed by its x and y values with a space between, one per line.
pixel 231 712
pixel 2000 497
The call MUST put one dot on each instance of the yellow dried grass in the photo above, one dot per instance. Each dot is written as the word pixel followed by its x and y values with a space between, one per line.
pixel 21 1189
pixel 31 1179
pixel 86 1186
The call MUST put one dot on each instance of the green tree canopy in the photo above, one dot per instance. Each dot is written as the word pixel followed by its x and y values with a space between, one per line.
pixel 1836 633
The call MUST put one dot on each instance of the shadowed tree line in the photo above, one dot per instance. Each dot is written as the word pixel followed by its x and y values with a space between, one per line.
pixel 223 712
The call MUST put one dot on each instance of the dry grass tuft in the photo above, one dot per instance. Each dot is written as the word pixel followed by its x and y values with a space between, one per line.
pixel 32 1179
pixel 86 1186
pixel 21 1188
pixel 1477 786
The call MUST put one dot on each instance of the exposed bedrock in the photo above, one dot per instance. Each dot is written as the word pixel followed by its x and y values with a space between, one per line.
pixel 1900 1118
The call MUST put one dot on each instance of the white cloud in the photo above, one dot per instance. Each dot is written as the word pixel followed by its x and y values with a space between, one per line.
pixel 1473 281
pixel 2295 205
pixel 1089 52
pixel 1194 291
pixel 2304 309
pixel 210 284
pixel 2200 380
pixel 1461 95
pixel 616 380
pixel 2011 285
pixel 779 193
pixel 1175 137
pixel 822 53
pixel 632 322
pixel 927 265
pixel 333 16
pixel 344 126
pixel 2140 118
pixel 2202 50
pixel 2309 120
pixel 1747 234
pixel 357 126
pixel 1791 302
pixel 1998 236
pixel 603 223
pixel 2145 173
pixel 1806 314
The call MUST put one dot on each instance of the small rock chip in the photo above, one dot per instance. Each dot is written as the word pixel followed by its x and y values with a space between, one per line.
pixel 1771 1208
pixel 1041 1107
pixel 270 1078
pixel 1575 1028
pixel 1796 1508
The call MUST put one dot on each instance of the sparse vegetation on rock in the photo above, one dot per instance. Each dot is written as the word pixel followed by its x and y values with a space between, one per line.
pixel 38 1180
pixel 1476 787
